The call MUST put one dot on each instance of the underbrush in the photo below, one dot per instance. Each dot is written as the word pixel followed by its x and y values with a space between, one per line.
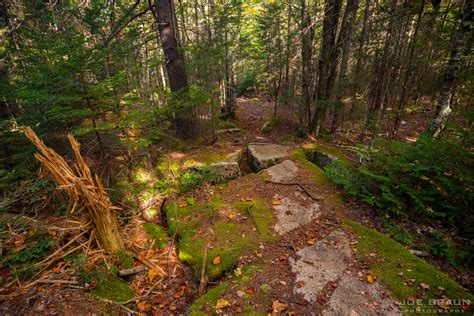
pixel 420 182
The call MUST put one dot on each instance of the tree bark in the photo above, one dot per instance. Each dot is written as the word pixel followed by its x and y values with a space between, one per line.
pixel 306 52
pixel 165 17
pixel 326 63
pixel 409 70
pixel 344 43
pixel 459 47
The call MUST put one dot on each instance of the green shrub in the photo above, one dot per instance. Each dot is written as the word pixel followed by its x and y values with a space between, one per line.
pixel 427 179
pixel 248 83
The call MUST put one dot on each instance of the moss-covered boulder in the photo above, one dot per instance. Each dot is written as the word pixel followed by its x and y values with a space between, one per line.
pixel 226 230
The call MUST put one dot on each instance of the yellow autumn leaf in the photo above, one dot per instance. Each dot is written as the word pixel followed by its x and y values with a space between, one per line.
pixel 216 260
pixel 182 204
pixel 222 303
pixel 152 273
pixel 144 306
pixel 276 202
pixel 370 277
pixel 311 241
pixel 278 306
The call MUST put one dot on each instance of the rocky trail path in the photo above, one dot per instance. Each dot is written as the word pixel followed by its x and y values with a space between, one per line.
pixel 273 231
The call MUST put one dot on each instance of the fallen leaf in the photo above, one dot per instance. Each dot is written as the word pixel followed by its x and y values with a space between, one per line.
pixel 152 273
pixel 258 254
pixel 424 286
pixel 276 202
pixel 216 260
pixel 52 232
pixel 444 303
pixel 278 306
pixel 240 293
pixel 372 254
pixel 182 204
pixel 222 303
pixel 250 289
pixel 400 274
pixel 172 308
pixel 409 281
pixel 311 241
pixel 301 284
pixel 370 277
pixel 144 306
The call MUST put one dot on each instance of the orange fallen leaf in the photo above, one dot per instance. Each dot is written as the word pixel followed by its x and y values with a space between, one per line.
pixel 276 202
pixel 144 306
pixel 222 303
pixel 311 241
pixel 152 273
pixel 370 277
pixel 216 260
pixel 182 204
pixel 278 306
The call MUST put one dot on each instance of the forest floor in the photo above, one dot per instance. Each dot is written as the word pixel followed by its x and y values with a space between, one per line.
pixel 283 240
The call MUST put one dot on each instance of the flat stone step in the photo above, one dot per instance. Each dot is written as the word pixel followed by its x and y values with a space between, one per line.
pixel 283 172
pixel 265 155
pixel 326 263
pixel 295 212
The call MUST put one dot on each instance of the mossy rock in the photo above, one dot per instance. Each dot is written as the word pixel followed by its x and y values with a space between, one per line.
pixel 396 259
pixel 202 223
pixel 211 297
pixel 111 287
pixel 158 234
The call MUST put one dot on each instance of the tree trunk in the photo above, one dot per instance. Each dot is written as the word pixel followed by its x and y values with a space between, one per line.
pixel 344 42
pixel 360 56
pixel 326 63
pixel 164 14
pixel 408 73
pixel 287 57
pixel 451 72
pixel 306 52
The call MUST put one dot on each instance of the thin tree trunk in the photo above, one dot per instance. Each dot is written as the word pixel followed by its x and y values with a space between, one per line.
pixel 306 52
pixel 360 56
pixel 287 57
pixel 451 72
pixel 408 73
pixel 163 12
pixel 344 42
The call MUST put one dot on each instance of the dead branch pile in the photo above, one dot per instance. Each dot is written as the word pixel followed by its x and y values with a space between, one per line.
pixel 83 190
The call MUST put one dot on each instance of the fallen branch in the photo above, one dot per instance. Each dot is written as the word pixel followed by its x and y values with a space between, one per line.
pixel 134 270
pixel 202 284
pixel 314 198
pixel 249 211
pixel 49 281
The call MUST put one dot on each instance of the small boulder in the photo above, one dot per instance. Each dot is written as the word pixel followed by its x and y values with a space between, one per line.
pixel 265 155
pixel 319 158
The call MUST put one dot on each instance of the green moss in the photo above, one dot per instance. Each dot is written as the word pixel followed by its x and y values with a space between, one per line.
pixel 125 259
pixel 317 174
pixel 263 217
pixel 271 123
pixel 200 224
pixel 111 287
pixel 393 255
pixel 157 234
pixel 211 297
